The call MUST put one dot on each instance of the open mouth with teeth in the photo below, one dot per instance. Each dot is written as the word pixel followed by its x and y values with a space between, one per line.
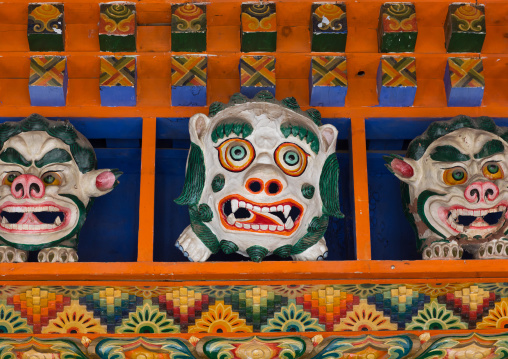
pixel 482 220
pixel 282 217
pixel 33 218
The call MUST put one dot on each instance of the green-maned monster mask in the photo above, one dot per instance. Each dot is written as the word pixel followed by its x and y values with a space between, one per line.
pixel 262 178
pixel 454 188
pixel 48 182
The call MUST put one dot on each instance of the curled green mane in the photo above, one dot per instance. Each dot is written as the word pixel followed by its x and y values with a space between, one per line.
pixel 81 150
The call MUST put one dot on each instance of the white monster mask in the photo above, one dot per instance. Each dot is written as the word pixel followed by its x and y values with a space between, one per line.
pixel 48 182
pixel 454 188
pixel 262 178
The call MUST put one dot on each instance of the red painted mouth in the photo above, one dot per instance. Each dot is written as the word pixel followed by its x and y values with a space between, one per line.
pixel 240 214
pixel 459 218
pixel 44 217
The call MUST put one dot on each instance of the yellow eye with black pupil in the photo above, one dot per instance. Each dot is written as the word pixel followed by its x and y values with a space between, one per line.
pixel 492 171
pixel 51 179
pixel 455 176
pixel 10 177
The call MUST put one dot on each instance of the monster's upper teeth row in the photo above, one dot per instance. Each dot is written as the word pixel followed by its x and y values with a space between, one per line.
pixel 476 212
pixel 29 209
pixel 235 204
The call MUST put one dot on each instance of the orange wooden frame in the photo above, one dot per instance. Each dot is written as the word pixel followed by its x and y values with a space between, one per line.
pixel 292 66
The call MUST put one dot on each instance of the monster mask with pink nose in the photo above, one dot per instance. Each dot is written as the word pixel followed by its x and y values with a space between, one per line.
pixel 454 188
pixel 48 182
pixel 262 178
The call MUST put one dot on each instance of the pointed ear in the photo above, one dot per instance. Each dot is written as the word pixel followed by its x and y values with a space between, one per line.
pixel 405 169
pixel 198 124
pixel 329 136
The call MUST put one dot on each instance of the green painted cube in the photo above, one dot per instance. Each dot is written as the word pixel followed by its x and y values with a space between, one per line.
pixel 188 28
pixel 259 27
pixel 117 27
pixel 397 30
pixel 465 28
pixel 329 27
pixel 46 27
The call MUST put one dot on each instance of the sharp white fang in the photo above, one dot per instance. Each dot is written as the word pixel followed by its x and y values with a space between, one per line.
pixel 4 220
pixel 287 209
pixel 241 204
pixel 263 227
pixel 249 206
pixel 273 209
pixel 272 227
pixel 255 227
pixel 231 219
pixel 289 223
pixel 265 209
pixel 234 205
pixel 58 221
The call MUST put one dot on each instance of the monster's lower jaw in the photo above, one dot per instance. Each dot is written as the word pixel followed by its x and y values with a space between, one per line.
pixel 28 218
pixel 239 214
pixel 480 221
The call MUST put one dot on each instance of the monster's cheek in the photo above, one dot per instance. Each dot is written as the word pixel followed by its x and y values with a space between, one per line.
pixel 218 183
pixel 308 190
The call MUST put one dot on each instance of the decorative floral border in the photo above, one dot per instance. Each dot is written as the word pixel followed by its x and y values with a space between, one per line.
pixel 252 308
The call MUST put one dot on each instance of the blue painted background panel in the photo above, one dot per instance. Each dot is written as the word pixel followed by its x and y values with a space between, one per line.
pixel 171 219
pixel 392 238
pixel 110 232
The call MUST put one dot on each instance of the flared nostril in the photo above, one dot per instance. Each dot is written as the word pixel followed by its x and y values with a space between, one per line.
pixel 255 185
pixel 273 187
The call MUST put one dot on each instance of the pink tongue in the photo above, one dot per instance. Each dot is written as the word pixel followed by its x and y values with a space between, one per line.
pixel 29 218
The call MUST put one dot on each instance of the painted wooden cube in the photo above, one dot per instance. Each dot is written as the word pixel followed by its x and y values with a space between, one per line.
pixel 257 73
pixel 259 27
pixel 397 30
pixel 465 28
pixel 46 27
pixel 188 78
pixel 464 82
pixel 188 28
pixel 396 81
pixel 329 27
pixel 47 84
pixel 118 81
pixel 117 27
pixel 328 81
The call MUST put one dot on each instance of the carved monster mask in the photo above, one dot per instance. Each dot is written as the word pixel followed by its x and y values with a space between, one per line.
pixel 455 188
pixel 48 182
pixel 262 178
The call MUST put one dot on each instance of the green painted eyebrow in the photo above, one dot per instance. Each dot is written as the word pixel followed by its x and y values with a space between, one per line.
pixel 448 154
pixel 56 155
pixel 10 155
pixel 490 148
pixel 238 126
pixel 301 132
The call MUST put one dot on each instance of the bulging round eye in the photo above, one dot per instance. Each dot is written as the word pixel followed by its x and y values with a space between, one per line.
pixel 291 159
pixel 455 176
pixel 492 171
pixel 10 177
pixel 236 154
pixel 51 179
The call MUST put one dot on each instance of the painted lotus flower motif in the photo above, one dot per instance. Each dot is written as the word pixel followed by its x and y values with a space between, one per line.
pixel 364 317
pixel 497 318
pixel 74 319
pixel 435 316
pixel 11 322
pixel 220 318
pixel 293 318
pixel 148 319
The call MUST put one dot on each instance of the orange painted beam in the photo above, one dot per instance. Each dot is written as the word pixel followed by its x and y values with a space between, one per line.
pixel 361 188
pixel 147 191
pixel 360 270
